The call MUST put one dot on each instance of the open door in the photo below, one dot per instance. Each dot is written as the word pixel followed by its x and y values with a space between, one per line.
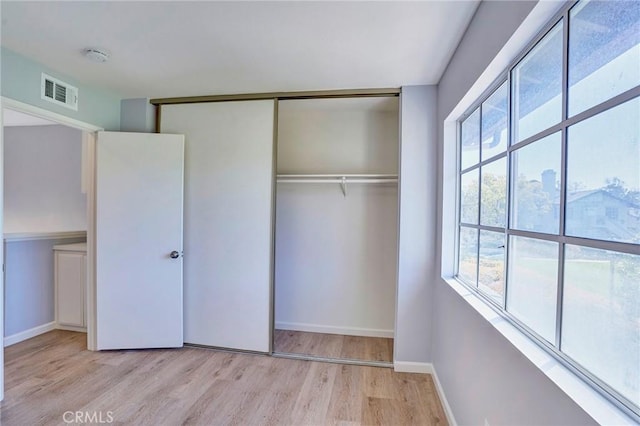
pixel 139 200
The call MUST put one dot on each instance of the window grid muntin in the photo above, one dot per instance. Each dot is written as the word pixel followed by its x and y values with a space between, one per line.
pixel 563 175
pixel 619 400
pixel 627 248
pixel 507 222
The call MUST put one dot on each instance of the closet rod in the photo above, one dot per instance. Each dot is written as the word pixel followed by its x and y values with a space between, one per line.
pixel 390 180
pixel 339 175
pixel 343 180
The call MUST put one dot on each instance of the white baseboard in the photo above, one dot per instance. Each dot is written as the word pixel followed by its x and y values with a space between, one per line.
pixel 427 368
pixel 443 399
pixel 28 334
pixel 330 329
pixel 413 367
pixel 71 328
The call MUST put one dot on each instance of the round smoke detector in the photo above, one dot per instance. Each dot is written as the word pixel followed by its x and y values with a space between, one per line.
pixel 96 55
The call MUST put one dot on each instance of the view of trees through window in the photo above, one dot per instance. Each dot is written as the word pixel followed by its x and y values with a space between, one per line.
pixel 549 211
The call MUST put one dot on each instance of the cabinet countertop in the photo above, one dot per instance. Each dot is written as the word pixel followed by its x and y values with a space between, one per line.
pixel 29 236
pixel 81 247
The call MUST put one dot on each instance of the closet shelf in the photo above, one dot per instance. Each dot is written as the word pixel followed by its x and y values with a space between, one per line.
pixel 337 176
pixel 342 179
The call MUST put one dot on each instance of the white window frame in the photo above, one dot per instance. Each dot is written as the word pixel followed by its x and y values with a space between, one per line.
pixel 600 386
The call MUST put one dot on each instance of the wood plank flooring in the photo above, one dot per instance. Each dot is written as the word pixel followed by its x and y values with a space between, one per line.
pixel 54 373
pixel 334 345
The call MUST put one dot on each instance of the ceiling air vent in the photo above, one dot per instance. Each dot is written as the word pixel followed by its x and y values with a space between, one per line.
pixel 59 92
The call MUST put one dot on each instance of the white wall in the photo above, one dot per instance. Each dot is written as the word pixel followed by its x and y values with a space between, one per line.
pixel 42 179
pixel 2 256
pixel 485 378
pixel 335 258
pixel 416 253
pixel 335 255
pixel 357 135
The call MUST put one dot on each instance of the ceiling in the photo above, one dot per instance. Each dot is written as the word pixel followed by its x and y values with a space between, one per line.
pixel 180 48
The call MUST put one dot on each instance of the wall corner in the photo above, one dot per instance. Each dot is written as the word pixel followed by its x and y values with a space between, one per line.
pixel 416 224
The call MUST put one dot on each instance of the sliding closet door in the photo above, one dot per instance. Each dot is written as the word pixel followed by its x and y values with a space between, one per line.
pixel 228 221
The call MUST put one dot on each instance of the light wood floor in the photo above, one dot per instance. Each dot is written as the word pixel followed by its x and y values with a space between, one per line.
pixel 334 345
pixel 53 373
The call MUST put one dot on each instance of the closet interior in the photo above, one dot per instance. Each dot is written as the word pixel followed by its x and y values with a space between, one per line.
pixel 336 227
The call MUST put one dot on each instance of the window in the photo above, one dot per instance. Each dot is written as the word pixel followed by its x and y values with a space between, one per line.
pixel 549 175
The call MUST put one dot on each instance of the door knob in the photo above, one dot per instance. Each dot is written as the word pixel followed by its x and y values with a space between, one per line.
pixel 174 255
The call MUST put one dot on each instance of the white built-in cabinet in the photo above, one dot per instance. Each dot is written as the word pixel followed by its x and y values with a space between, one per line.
pixel 70 272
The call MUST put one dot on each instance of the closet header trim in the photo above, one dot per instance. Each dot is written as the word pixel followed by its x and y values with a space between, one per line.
pixel 349 93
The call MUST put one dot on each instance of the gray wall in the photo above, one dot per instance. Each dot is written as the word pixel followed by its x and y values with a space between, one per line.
pixel 137 115
pixel 42 180
pixel 29 284
pixel 417 222
pixel 485 378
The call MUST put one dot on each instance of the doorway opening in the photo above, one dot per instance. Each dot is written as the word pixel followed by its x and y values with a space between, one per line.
pixel 47 213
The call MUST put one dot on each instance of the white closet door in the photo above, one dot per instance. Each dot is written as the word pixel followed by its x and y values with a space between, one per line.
pixel 228 221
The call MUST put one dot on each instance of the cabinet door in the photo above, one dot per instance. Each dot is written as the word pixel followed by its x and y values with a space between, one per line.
pixel 228 221
pixel 70 283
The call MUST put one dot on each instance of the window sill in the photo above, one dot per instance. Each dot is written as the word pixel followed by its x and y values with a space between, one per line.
pixel 592 402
